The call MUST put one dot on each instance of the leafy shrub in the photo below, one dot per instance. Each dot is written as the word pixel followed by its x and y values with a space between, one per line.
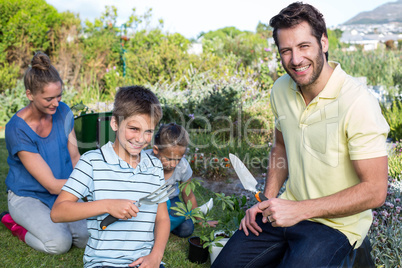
pixel 11 101
pixel 378 66
pixel 247 46
pixel 393 116
pixel 28 26
pixel 386 231
pixel 8 76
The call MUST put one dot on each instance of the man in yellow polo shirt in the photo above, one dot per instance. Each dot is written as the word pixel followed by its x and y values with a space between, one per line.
pixel 330 146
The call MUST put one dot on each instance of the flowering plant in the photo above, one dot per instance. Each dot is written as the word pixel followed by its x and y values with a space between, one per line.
pixel 386 231
pixel 210 166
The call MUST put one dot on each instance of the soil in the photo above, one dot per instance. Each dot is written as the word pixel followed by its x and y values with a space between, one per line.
pixel 230 185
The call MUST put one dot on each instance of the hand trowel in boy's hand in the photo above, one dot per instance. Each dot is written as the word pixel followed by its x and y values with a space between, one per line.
pixel 247 179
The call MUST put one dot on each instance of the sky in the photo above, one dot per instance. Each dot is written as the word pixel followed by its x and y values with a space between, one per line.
pixel 190 18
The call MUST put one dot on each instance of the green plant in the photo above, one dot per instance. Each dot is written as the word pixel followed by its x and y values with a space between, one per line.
pixel 8 76
pixel 385 233
pixel 379 66
pixel 207 236
pixel 395 161
pixel 11 101
pixel 211 167
pixel 393 116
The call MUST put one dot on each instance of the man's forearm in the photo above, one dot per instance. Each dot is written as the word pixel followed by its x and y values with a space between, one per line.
pixel 369 193
pixel 277 171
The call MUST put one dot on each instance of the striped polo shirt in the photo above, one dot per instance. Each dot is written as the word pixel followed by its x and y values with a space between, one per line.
pixel 101 174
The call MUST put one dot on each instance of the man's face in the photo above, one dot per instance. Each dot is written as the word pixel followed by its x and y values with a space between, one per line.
pixel 302 56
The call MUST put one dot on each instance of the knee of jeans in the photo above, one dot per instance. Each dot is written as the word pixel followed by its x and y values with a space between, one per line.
pixel 58 244
pixel 185 229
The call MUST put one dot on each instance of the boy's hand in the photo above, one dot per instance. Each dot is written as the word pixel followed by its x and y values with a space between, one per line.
pixel 147 262
pixel 212 223
pixel 122 208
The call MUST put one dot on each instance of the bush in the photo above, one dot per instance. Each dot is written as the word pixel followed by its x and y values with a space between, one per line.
pixel 393 116
pixel 8 76
pixel 378 66
pixel 386 231
pixel 27 26
pixel 11 101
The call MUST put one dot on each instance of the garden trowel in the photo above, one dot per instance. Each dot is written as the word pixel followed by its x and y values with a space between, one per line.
pixel 247 179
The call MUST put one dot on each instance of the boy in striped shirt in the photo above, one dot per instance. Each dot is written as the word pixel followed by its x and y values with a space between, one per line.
pixel 112 178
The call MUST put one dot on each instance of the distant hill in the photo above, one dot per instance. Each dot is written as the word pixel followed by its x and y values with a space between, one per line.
pixel 389 12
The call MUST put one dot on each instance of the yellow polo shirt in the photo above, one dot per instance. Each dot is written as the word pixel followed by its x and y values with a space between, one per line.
pixel 342 123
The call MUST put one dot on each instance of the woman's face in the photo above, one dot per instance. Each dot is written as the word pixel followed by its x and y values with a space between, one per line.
pixel 47 100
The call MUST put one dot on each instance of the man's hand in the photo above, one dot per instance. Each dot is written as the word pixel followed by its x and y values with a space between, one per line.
pixel 281 212
pixel 248 222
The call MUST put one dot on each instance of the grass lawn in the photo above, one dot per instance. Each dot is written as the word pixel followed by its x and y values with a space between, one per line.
pixel 14 253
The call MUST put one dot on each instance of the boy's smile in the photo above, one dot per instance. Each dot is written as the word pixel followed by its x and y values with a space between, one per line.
pixel 132 135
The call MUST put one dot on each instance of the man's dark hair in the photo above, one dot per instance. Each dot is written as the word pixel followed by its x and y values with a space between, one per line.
pixel 296 13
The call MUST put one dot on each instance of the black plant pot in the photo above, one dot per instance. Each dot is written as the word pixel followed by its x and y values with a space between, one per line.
pixel 196 253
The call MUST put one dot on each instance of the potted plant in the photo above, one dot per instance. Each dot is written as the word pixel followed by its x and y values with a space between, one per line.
pixel 229 223
pixel 209 241
pixel 198 245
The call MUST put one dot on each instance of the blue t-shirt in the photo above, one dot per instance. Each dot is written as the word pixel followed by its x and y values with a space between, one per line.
pixel 53 149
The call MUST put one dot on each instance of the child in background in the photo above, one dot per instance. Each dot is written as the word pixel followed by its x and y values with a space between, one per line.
pixel 171 143
pixel 111 178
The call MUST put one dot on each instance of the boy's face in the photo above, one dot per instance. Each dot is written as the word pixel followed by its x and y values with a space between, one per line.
pixel 132 135
pixel 170 156
pixel 301 54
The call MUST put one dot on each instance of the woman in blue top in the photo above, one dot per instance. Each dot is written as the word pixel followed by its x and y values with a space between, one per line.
pixel 42 152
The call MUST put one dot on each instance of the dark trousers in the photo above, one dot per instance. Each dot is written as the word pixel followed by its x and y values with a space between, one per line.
pixel 306 244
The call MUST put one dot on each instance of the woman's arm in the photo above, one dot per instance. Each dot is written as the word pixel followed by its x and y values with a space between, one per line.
pixel 40 170
pixel 73 148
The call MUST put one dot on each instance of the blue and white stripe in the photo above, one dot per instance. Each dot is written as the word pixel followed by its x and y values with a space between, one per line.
pixel 101 174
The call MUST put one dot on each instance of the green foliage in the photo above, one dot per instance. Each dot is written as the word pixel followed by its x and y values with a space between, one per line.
pixel 246 46
pixel 386 231
pixel 334 37
pixel 379 66
pixel 395 163
pixel 101 44
pixel 230 221
pixel 189 186
pixel 27 26
pixel 264 30
pixel 222 33
pixel 393 116
pixel 8 76
pixel 153 57
pixel 11 101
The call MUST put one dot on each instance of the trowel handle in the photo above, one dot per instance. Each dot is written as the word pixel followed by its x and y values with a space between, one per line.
pixel 260 196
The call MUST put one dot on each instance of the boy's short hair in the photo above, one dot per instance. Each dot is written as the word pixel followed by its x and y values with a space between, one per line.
pixel 136 100
pixel 296 13
pixel 171 134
